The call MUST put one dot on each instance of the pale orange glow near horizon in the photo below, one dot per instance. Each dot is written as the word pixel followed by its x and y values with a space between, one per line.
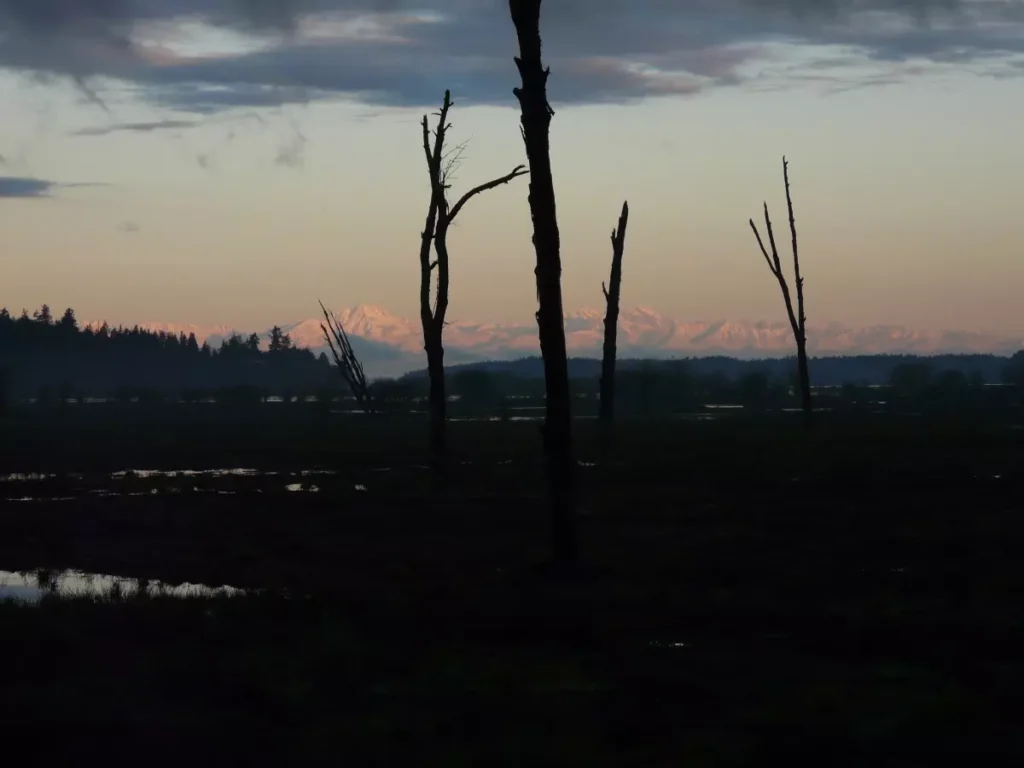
pixel 905 193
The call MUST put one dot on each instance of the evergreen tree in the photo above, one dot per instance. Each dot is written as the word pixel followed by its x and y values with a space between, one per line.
pixel 275 339
pixel 68 321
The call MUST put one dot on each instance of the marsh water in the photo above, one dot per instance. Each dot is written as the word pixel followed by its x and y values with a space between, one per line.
pixel 226 481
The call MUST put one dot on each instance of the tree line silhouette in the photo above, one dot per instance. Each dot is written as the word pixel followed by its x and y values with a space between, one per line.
pixel 44 357
pixel 55 358
pixel 826 371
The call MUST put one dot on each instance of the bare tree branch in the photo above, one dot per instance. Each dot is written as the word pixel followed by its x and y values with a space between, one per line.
pixel 796 249
pixel 434 154
pixel 771 240
pixel 451 161
pixel 426 148
pixel 760 242
pixel 797 316
pixel 519 170
pixel 780 275
pixel 345 359
pixel 612 295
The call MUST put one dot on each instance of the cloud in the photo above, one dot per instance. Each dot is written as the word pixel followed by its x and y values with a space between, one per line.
pixel 404 53
pixel 21 186
pixel 30 187
pixel 142 127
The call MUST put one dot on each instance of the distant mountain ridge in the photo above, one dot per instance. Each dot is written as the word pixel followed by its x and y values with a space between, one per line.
pixel 390 345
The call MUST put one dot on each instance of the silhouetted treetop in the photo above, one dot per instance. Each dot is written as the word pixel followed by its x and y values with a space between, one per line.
pixel 68 321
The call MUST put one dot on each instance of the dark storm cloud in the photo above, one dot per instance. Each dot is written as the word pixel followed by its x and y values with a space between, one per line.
pixel 30 187
pixel 601 50
pixel 20 186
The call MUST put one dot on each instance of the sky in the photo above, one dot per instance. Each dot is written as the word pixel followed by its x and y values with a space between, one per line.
pixel 232 161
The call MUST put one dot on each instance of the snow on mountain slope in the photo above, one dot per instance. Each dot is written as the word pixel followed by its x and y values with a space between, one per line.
pixel 393 344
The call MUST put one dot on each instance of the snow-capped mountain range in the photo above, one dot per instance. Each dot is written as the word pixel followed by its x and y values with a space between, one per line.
pixel 390 345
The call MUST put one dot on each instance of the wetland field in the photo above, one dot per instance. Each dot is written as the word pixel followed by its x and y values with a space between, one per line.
pixel 278 584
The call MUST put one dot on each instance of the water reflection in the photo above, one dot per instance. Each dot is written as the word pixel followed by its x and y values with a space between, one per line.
pixel 146 474
pixel 32 586
pixel 225 472
pixel 667 644
pixel 153 482
pixel 302 488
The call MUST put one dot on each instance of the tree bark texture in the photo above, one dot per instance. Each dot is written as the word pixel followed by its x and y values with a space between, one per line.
pixel 433 322
pixel 536 122
pixel 611 321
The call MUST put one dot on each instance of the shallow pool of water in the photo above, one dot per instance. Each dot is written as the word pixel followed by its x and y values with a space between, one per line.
pixel 145 474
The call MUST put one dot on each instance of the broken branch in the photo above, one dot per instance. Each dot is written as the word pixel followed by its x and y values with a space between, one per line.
pixel 764 251
pixel 519 170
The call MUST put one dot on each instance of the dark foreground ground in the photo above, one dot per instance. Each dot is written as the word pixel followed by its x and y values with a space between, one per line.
pixel 750 596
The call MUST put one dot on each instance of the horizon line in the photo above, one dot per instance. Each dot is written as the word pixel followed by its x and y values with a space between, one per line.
pixel 1005 334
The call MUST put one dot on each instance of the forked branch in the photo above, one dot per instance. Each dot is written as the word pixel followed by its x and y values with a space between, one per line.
pixel 797 316
pixel 797 319
pixel 519 170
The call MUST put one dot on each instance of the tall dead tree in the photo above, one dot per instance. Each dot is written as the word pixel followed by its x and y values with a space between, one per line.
pixel 345 359
pixel 797 318
pixel 536 123
pixel 611 323
pixel 440 165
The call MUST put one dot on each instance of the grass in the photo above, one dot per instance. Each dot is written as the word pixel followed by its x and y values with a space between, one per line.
pixel 752 594
pixel 306 681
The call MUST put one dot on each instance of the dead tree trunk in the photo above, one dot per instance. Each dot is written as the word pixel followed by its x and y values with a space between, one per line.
pixel 441 166
pixel 797 318
pixel 432 329
pixel 611 322
pixel 536 122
